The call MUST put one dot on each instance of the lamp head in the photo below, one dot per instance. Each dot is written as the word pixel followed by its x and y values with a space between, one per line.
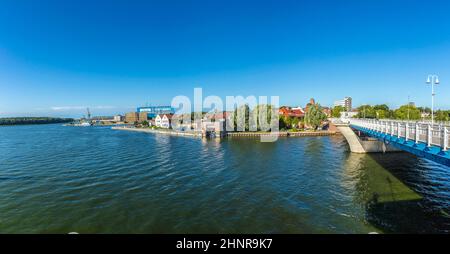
pixel 428 80
pixel 436 81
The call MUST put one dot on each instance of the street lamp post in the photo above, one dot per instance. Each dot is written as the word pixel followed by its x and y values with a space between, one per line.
pixel 433 80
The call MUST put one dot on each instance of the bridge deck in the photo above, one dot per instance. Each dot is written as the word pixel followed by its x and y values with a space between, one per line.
pixel 421 144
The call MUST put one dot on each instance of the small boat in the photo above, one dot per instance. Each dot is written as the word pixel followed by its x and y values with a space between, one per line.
pixel 85 124
pixel 80 124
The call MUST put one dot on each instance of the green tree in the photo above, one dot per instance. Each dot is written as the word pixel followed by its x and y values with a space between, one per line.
pixel 33 120
pixel 424 109
pixel 381 111
pixel 336 111
pixel 442 115
pixel 314 116
pixel 294 122
pixel 258 113
pixel 284 122
pixel 241 115
pixel 366 111
pixel 407 112
pixel 383 107
pixel 281 124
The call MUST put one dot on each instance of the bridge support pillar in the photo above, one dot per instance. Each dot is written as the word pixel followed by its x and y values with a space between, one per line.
pixel 365 144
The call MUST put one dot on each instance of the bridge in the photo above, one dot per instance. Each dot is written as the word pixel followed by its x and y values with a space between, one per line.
pixel 426 140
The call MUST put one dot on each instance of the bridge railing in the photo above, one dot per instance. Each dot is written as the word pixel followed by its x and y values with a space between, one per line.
pixel 437 134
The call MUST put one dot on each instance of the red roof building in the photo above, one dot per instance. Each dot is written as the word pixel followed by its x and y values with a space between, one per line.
pixel 291 112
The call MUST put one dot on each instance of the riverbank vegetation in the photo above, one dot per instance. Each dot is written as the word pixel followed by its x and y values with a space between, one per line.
pixel 33 120
pixel 313 119
pixel 404 112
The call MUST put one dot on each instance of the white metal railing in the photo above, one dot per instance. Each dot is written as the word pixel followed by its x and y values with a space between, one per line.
pixel 437 134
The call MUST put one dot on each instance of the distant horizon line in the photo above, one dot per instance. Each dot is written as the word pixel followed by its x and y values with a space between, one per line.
pixel 60 114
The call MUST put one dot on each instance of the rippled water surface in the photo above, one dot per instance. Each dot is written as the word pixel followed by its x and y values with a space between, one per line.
pixel 56 179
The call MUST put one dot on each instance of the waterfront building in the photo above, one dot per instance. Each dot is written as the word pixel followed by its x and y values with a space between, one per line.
pixel 153 111
pixel 143 116
pixel 131 117
pixel 346 103
pixel 348 114
pixel 218 116
pixel 158 121
pixel 163 121
pixel 291 112
pixel 118 118
pixel 223 119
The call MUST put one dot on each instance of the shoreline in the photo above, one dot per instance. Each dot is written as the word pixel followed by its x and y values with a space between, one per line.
pixel 159 131
pixel 283 134
pixel 231 134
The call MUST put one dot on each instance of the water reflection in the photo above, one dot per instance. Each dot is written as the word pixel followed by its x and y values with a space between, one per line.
pixel 392 203
pixel 106 181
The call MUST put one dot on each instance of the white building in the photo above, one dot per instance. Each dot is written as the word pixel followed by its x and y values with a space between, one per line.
pixel 346 103
pixel 163 121
pixel 350 114
pixel 118 118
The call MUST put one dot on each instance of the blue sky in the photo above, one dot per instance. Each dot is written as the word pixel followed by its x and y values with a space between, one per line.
pixel 57 57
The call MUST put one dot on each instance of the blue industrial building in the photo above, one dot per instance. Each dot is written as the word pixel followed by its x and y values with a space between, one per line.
pixel 152 111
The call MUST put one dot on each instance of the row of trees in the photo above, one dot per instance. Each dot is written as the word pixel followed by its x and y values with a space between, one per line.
pixel 404 112
pixel 313 119
pixel 32 120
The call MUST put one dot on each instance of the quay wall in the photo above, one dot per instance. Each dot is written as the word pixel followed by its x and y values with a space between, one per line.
pixel 229 134
pixel 282 134
pixel 159 131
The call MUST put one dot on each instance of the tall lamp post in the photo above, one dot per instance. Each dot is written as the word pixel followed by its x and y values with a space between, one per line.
pixel 433 80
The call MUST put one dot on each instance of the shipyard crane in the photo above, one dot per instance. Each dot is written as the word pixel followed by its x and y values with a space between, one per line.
pixel 88 114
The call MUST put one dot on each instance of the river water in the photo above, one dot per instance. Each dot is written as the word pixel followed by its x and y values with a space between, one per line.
pixel 56 179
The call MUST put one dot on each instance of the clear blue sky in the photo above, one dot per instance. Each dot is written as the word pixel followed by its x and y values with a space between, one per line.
pixel 57 57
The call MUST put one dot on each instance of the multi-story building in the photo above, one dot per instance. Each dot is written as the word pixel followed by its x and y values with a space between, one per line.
pixel 346 103
pixel 131 117
pixel 143 116
pixel 118 118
